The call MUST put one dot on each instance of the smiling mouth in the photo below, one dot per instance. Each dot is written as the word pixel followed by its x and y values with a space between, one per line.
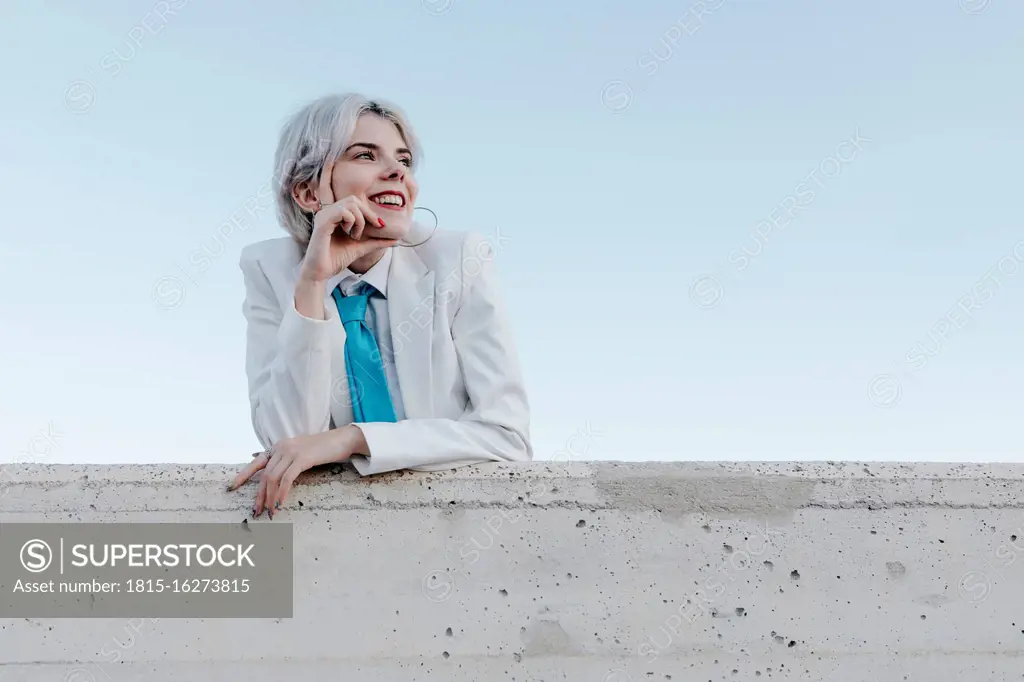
pixel 389 200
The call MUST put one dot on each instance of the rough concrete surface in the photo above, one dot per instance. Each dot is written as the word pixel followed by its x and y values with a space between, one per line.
pixel 603 572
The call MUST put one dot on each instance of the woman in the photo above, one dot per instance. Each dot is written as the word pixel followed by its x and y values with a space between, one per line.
pixel 359 348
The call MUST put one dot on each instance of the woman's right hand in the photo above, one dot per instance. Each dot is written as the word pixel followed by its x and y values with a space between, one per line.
pixel 342 232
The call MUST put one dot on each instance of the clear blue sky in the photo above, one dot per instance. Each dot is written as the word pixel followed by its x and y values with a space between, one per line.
pixel 632 156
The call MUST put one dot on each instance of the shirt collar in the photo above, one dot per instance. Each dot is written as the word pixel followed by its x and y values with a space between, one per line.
pixel 376 276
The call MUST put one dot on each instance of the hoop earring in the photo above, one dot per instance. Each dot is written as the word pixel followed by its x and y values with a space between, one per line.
pixel 432 233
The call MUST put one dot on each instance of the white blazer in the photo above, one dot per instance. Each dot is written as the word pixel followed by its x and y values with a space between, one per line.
pixel 454 352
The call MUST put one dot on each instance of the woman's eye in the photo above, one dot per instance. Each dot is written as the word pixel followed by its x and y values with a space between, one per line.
pixel 369 155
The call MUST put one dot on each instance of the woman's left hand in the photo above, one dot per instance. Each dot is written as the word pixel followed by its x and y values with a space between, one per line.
pixel 289 458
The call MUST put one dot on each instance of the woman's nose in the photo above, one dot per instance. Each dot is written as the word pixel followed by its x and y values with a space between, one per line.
pixel 393 169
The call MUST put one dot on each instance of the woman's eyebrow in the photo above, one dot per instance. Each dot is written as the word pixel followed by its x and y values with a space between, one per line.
pixel 376 148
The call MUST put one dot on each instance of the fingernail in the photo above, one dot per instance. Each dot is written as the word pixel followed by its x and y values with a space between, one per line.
pixel 380 221
pixel 254 512
pixel 231 486
pixel 271 513
pixel 277 505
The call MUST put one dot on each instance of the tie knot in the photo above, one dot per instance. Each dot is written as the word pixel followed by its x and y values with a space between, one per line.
pixel 361 288
pixel 352 308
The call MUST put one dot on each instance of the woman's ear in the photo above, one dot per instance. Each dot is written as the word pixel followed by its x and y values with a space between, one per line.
pixel 305 197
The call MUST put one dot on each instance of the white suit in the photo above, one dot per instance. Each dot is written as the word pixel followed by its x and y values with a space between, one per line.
pixel 453 348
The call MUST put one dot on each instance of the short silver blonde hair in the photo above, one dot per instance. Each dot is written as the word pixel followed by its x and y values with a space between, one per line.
pixel 316 135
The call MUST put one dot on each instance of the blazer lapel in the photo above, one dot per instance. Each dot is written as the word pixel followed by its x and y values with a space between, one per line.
pixel 411 317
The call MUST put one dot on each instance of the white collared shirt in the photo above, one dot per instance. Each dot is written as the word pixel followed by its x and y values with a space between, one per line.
pixel 377 319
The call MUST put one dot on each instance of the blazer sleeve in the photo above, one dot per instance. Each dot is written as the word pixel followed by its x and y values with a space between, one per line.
pixel 495 425
pixel 287 362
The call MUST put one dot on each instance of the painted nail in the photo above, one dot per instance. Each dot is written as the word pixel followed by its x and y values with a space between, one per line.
pixel 271 513
pixel 277 505
pixel 254 512
pixel 380 221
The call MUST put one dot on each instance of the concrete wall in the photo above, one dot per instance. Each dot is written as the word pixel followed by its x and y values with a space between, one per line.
pixel 602 572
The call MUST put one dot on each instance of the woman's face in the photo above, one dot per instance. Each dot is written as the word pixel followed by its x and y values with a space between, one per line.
pixel 376 166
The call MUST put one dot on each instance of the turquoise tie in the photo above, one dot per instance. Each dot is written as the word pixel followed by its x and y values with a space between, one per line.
pixel 367 383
